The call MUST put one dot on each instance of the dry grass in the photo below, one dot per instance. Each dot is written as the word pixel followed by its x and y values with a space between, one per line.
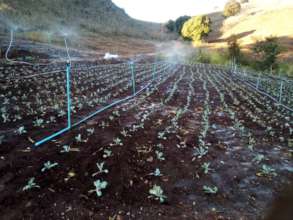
pixel 255 22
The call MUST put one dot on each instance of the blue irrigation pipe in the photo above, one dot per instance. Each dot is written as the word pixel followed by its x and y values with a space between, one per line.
pixel 68 95
pixel 132 77
pixel 154 71
pixel 51 137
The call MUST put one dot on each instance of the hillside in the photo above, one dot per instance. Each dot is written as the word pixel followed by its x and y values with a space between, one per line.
pixel 94 16
pixel 256 21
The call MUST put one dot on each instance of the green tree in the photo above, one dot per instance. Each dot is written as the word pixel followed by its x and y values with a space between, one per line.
pixel 180 22
pixel 234 49
pixel 232 8
pixel 266 53
pixel 170 26
pixel 196 28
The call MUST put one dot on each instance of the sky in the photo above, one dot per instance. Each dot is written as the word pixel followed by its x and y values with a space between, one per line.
pixel 164 10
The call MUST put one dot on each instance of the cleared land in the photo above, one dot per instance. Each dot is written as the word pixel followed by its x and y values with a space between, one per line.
pixel 198 125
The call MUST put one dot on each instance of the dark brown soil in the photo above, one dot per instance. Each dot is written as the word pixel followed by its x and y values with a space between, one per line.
pixel 64 190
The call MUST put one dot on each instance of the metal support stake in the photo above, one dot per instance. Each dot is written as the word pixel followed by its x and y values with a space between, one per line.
pixel 257 82
pixel 133 77
pixel 281 92
pixel 154 71
pixel 68 68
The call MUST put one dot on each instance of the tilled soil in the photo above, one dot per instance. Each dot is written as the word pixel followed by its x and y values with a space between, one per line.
pixel 63 193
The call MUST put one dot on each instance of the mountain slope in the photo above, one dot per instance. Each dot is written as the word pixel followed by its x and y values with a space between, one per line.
pixel 256 21
pixel 95 16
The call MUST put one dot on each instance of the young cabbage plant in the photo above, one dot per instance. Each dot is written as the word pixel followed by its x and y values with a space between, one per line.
pixel 210 189
pixel 107 153
pixel 206 168
pixel 200 152
pixel 21 130
pixel 48 165
pixel 160 155
pixel 157 193
pixel 157 172
pixel 90 131
pixel 267 171
pixel 117 142
pixel 65 149
pixel 30 184
pixel 78 139
pixel 101 169
pixel 99 185
pixel 258 158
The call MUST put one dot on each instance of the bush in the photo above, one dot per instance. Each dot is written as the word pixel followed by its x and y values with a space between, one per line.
pixel 234 49
pixel 196 28
pixel 180 22
pixel 232 8
pixel 212 57
pixel 176 26
pixel 285 69
pixel 170 26
pixel 266 53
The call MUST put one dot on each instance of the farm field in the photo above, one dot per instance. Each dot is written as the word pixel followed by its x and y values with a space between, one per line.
pixel 194 143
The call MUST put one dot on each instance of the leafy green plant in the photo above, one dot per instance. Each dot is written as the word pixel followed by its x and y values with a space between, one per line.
pixel 196 28
pixel 206 168
pixel 65 149
pixel 267 171
pixel 157 193
pixel 107 153
pixel 30 185
pixel 160 155
pixel 258 158
pixel 90 131
pixel 21 130
pixel 101 169
pixel 156 173
pixel 117 141
pixel 99 185
pixel 199 152
pixel 48 165
pixel 232 8
pixel 210 189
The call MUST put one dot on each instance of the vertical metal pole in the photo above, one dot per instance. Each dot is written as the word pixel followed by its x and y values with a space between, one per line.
pixel 257 82
pixel 281 91
pixel 133 77
pixel 154 71
pixel 68 68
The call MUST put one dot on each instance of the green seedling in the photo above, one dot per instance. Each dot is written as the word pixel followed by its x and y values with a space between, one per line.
pixel 48 165
pixel 157 193
pixel 99 186
pixel 160 155
pixel 210 189
pixel 30 184
pixel 101 169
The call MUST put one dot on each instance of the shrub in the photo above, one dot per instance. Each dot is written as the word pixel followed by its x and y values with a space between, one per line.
pixel 170 26
pixel 266 53
pixel 176 26
pixel 232 8
pixel 196 28
pixel 234 49
pixel 180 22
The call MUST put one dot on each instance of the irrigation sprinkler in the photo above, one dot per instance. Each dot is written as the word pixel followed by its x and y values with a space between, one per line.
pixel 281 91
pixel 68 95
pixel 132 76
pixel 257 82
